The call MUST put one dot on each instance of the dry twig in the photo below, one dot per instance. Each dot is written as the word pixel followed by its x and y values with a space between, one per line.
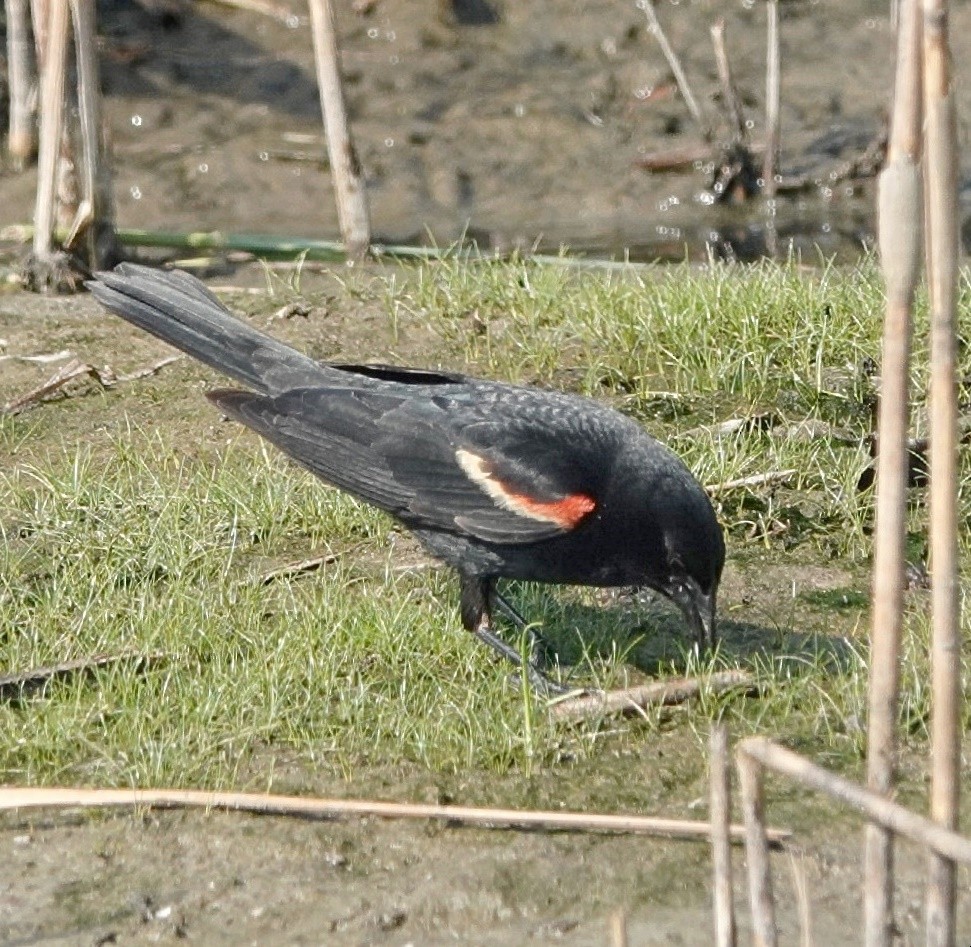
pixel 275 11
pixel 674 159
pixel 756 480
pixel 75 369
pixel 297 568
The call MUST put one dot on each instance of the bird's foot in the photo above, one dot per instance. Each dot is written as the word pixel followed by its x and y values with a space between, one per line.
pixel 539 647
pixel 541 683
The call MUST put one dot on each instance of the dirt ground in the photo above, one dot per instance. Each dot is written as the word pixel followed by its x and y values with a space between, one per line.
pixel 523 132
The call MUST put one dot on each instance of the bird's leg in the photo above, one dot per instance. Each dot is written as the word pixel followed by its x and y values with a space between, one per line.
pixel 538 645
pixel 476 601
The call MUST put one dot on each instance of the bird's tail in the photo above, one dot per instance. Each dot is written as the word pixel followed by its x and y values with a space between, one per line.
pixel 181 310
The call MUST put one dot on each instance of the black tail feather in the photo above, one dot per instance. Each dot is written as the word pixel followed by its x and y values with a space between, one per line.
pixel 182 311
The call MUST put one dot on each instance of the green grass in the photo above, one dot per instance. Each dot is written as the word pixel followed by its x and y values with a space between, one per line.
pixel 118 538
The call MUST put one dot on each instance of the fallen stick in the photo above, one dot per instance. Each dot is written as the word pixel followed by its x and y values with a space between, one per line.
pixel 15 684
pixel 754 424
pixel 311 807
pixel 756 480
pixel 633 699
pixel 297 568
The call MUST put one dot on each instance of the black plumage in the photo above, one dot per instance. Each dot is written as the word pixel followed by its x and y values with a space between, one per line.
pixel 497 480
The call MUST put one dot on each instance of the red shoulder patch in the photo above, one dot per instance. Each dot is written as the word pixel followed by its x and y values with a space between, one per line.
pixel 566 512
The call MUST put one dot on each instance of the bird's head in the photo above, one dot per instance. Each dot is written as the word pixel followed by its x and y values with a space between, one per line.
pixel 688 550
pixel 694 557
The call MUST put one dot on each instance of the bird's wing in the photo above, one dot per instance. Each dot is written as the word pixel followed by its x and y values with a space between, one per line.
pixel 500 472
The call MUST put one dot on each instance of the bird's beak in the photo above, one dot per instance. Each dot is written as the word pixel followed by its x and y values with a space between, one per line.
pixel 699 611
pixel 705 620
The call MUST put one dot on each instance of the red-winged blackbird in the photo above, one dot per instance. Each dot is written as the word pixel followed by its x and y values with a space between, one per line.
pixel 497 480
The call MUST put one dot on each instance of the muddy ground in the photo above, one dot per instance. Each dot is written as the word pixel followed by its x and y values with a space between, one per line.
pixel 526 132
pixel 523 132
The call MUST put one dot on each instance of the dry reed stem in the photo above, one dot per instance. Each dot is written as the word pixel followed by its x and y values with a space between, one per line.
pixel 618 929
pixel 874 806
pixel 94 219
pixel 720 814
pixel 942 255
pixel 801 887
pixel 736 118
pixel 772 96
pixel 756 849
pixel 310 807
pixel 755 480
pixel 51 127
pixel 20 138
pixel 654 26
pixel 899 238
pixel 352 210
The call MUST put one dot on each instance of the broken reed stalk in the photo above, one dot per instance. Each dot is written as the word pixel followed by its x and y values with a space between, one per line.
pixel 94 220
pixel 874 806
pixel 654 26
pixel 310 807
pixel 51 127
pixel 20 139
pixel 352 210
pixel 719 813
pixel 761 902
pixel 632 699
pixel 618 929
pixel 899 225
pixel 772 98
pixel 801 888
pixel 736 119
pixel 941 193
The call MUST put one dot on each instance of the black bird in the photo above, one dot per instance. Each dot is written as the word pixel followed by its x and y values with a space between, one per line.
pixel 497 480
